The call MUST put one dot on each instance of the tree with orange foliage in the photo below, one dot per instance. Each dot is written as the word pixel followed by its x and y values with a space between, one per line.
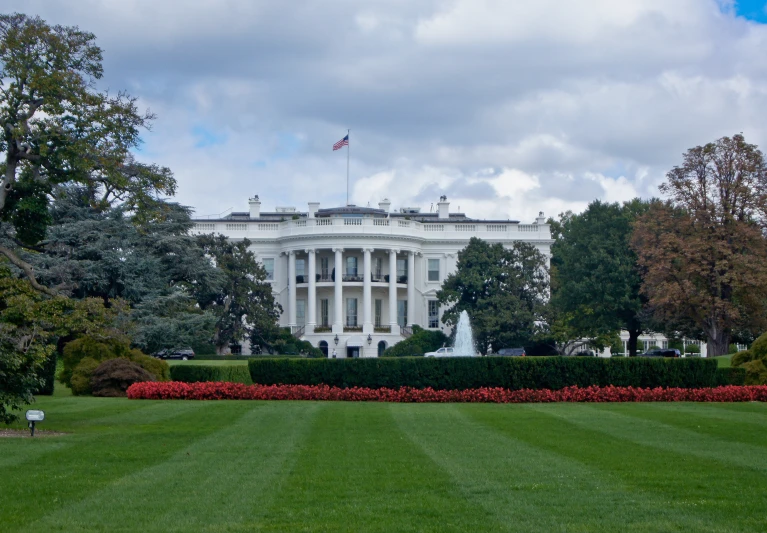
pixel 704 251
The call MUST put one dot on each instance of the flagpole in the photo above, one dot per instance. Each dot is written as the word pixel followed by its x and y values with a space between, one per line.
pixel 348 147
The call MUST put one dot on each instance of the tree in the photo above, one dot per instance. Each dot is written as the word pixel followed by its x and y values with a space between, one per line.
pixel 703 251
pixel 595 276
pixel 156 267
pixel 57 128
pixel 504 291
pixel 30 324
pixel 244 306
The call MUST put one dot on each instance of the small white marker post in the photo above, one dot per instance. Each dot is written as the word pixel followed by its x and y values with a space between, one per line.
pixel 34 416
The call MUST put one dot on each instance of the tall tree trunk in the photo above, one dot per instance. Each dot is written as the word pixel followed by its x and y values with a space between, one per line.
pixel 633 341
pixel 718 342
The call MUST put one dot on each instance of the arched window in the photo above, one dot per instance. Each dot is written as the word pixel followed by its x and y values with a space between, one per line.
pixel 381 348
pixel 323 346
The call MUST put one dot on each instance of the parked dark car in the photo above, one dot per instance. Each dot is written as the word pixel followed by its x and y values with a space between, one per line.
pixel 670 352
pixel 511 352
pixel 183 354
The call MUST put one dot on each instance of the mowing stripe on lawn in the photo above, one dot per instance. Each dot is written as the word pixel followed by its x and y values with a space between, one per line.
pixel 214 484
pixel 703 494
pixel 527 487
pixel 640 429
pixel 358 472
pixel 90 460
pixel 703 419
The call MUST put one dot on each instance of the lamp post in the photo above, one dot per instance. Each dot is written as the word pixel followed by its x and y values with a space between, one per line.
pixel 336 340
pixel 370 339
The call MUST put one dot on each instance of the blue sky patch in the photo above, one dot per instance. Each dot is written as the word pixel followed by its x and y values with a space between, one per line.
pixel 755 10
pixel 206 137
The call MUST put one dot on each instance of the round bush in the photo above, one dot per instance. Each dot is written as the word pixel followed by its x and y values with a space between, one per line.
pixel 113 377
pixel 157 367
pixel 80 382
pixel 754 360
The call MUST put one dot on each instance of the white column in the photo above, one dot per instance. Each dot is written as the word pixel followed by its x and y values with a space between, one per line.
pixel 393 290
pixel 291 289
pixel 410 288
pixel 367 300
pixel 338 304
pixel 312 299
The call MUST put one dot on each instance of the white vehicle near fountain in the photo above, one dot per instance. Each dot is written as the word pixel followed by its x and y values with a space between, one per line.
pixel 442 352
pixel 464 341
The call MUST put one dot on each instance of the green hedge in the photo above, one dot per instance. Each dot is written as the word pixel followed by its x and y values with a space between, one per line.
pixel 732 376
pixel 195 373
pixel 472 372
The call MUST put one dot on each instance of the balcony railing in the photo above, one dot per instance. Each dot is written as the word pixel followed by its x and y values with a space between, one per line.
pixel 387 226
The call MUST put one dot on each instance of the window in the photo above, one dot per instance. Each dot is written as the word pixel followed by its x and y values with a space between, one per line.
pixel 381 348
pixel 433 314
pixel 235 349
pixel 433 270
pixel 301 312
pixel 378 309
pixel 401 267
pixel 351 266
pixel 324 319
pixel 402 313
pixel 324 268
pixel 378 272
pixel 269 267
pixel 300 267
pixel 351 312
pixel 323 346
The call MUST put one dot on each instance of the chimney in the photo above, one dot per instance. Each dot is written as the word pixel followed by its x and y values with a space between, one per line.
pixel 540 220
pixel 313 208
pixel 443 208
pixel 384 204
pixel 255 207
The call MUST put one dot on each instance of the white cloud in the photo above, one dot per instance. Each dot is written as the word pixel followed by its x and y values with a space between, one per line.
pixel 508 108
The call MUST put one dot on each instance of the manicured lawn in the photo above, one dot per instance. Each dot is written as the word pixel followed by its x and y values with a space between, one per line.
pixel 723 361
pixel 309 466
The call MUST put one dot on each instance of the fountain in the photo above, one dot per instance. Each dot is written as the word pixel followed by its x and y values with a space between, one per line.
pixel 464 340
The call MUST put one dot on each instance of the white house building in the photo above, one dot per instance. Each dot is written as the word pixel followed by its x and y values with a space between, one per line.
pixel 356 279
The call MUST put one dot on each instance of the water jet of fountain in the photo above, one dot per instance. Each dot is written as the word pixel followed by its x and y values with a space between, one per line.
pixel 464 339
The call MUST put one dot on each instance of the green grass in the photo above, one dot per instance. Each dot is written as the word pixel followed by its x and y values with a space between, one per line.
pixel 313 466
pixel 723 361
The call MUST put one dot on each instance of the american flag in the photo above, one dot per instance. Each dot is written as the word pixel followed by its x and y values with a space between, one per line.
pixel 340 144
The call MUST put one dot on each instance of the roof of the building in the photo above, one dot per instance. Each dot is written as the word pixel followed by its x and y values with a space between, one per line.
pixel 275 216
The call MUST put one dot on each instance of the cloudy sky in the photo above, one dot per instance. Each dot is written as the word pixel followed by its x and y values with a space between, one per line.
pixel 508 107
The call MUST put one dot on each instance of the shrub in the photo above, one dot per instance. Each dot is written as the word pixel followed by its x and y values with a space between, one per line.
pixel 98 350
pixel 48 375
pixel 753 361
pixel 692 348
pixel 731 376
pixel 80 381
pixel 420 342
pixel 756 372
pixel 90 347
pixel 113 377
pixel 741 357
pixel 237 391
pixel 198 373
pixel 286 343
pixel 157 367
pixel 454 373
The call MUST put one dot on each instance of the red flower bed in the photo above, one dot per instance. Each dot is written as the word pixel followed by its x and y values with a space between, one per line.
pixel 176 390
